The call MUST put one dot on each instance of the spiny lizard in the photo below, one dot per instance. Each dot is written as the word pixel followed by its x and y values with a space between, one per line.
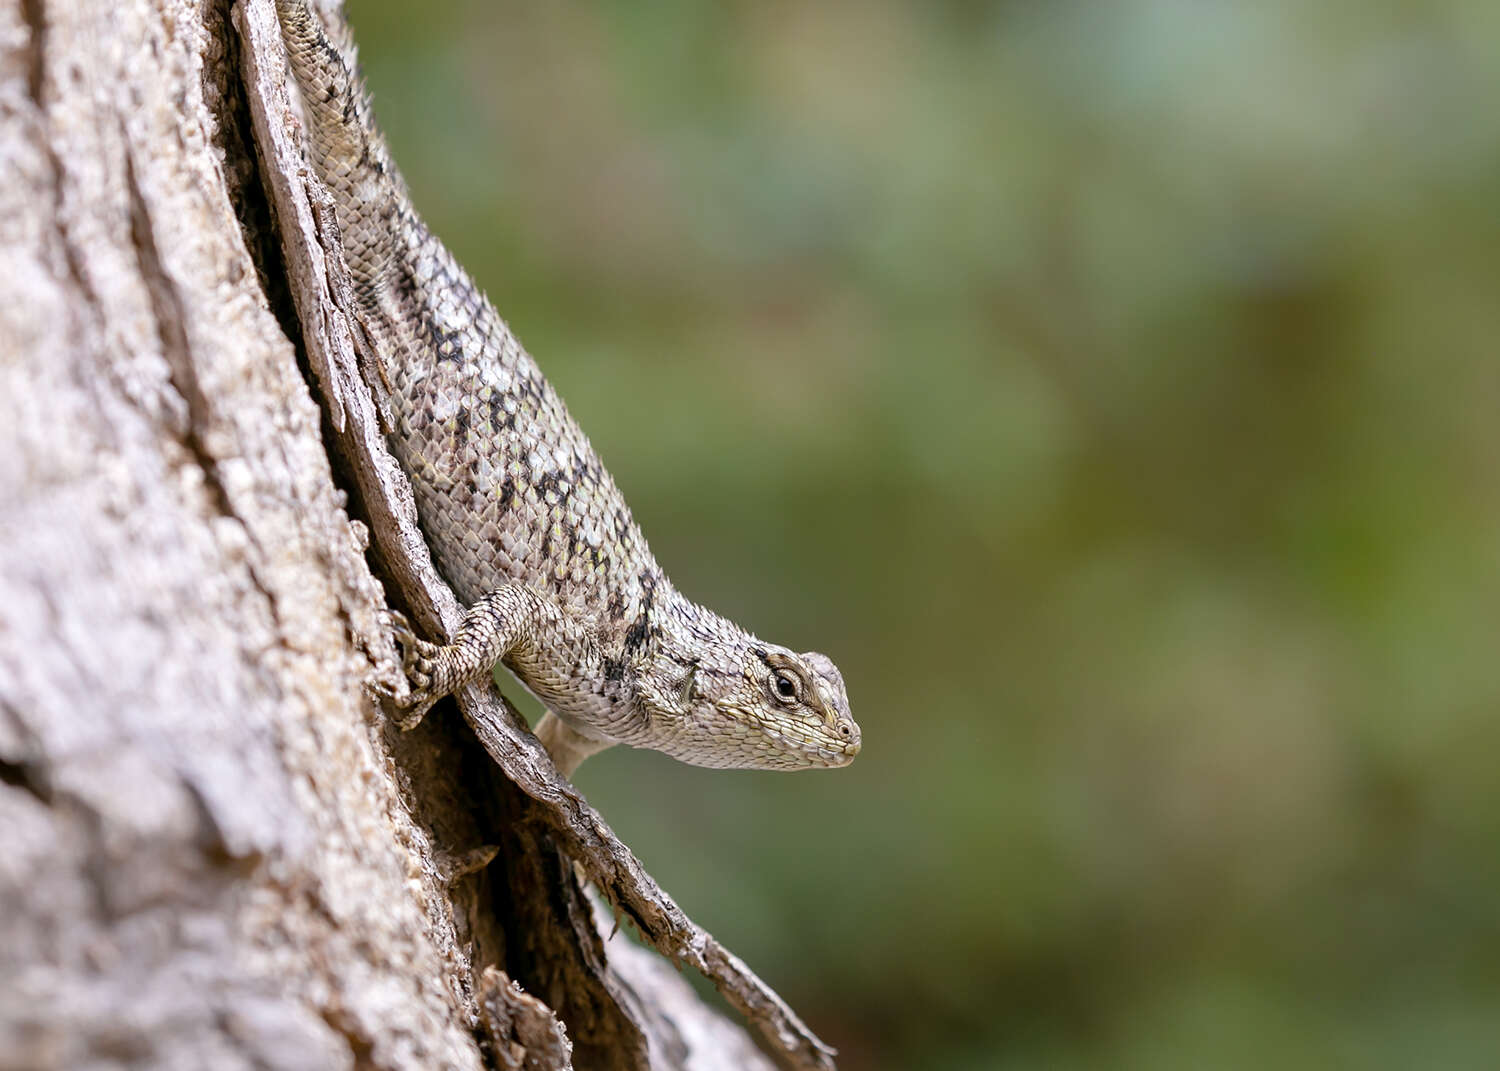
pixel 521 516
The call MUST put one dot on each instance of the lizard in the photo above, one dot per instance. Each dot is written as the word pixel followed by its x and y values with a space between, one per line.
pixel 522 518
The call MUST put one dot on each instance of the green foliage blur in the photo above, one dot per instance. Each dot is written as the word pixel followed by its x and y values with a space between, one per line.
pixel 1111 390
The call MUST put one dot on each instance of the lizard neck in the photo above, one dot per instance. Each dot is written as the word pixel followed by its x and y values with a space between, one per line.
pixel 685 637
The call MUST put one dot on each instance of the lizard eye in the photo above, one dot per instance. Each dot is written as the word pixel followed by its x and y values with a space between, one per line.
pixel 787 688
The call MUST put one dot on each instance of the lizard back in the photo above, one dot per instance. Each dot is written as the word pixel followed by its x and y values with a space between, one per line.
pixel 507 485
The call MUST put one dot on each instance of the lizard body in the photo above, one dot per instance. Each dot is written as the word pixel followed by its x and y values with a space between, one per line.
pixel 522 518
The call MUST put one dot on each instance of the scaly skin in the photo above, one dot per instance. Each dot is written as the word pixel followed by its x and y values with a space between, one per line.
pixel 520 514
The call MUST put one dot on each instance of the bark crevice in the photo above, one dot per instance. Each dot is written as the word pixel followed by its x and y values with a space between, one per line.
pixel 214 850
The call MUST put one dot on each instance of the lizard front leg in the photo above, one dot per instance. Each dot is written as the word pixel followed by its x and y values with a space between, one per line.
pixel 567 746
pixel 501 621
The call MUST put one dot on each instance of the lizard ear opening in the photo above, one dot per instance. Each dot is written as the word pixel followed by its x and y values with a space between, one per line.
pixel 685 689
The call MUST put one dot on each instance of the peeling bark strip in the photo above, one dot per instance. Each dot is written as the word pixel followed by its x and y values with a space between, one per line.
pixel 207 858
pixel 342 372
pixel 522 1032
pixel 199 859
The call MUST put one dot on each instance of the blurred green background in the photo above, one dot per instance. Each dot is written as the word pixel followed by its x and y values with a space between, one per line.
pixel 1111 390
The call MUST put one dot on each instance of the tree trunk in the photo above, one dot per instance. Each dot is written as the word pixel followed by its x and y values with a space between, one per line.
pixel 214 850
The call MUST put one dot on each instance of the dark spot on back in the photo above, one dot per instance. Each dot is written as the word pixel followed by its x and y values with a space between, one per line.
pixel 640 629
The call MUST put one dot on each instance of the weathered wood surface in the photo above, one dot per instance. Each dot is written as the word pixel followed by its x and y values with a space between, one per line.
pixel 214 850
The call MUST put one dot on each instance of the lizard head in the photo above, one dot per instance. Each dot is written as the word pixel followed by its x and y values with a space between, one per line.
pixel 738 702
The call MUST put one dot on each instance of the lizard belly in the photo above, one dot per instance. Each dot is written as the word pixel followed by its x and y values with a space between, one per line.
pixel 593 705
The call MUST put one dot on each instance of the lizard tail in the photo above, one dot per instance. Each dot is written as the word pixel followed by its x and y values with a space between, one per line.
pixel 348 152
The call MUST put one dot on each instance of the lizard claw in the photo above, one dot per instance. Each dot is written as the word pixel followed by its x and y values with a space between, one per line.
pixel 418 663
pixel 418 656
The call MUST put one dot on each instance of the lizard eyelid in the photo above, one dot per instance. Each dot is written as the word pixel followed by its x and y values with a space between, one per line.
pixel 786 687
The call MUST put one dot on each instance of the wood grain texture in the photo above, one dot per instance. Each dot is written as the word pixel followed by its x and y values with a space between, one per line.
pixel 577 829
pixel 206 860
pixel 214 852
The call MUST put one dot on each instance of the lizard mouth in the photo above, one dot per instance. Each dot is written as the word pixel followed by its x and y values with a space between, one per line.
pixel 766 745
pixel 819 755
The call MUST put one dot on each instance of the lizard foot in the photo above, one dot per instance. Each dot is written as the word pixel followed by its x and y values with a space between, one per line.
pixel 489 629
pixel 419 657
pixel 421 664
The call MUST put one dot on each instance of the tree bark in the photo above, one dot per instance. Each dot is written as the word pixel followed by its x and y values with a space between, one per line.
pixel 214 849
